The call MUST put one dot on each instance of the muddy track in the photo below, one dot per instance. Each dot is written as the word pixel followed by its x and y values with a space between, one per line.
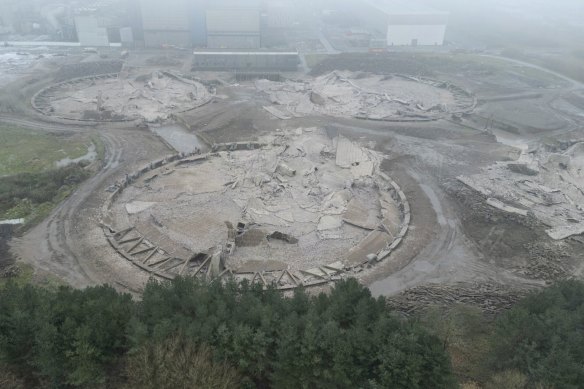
pixel 48 245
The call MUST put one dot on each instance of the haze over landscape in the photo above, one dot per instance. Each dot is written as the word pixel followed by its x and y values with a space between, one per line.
pixel 291 194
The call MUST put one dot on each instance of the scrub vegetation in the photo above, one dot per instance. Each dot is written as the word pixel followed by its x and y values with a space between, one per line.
pixel 31 183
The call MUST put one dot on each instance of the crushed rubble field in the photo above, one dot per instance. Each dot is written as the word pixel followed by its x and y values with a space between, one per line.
pixel 301 201
pixel 376 97
pixel 124 96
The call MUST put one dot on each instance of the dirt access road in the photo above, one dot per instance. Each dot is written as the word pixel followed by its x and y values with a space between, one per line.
pixel 62 244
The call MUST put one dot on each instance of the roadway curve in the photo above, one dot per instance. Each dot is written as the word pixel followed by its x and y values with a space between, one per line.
pixel 53 246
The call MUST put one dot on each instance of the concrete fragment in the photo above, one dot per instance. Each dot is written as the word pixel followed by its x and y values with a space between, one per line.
pixel 282 236
pixel 528 169
pixel 329 222
pixel 317 99
pixel 506 208
pixel 563 232
pixel 359 215
pixel 362 169
pixel 216 266
pixel 138 206
pixel 372 244
pixel 349 154
pixel 285 170
pixel 276 112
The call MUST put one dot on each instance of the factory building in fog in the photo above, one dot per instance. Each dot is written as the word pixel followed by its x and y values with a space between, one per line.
pixel 219 24
pixel 166 22
pixel 403 23
pixel 233 24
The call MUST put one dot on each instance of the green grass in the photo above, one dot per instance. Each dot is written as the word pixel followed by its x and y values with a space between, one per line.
pixel 25 274
pixel 28 151
pixel 99 147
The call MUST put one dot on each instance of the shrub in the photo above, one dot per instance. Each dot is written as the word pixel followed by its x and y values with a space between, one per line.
pixel 177 363
pixel 542 337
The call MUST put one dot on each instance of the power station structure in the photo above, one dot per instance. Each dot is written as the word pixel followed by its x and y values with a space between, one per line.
pixel 403 23
pixel 220 24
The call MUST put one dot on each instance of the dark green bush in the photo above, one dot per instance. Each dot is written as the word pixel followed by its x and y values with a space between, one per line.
pixel 347 339
pixel 543 337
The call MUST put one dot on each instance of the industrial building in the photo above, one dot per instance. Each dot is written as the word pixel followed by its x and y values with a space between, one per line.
pixel 233 24
pixel 281 14
pixel 103 23
pixel 166 22
pixel 403 23
pixel 246 61
pixel 221 24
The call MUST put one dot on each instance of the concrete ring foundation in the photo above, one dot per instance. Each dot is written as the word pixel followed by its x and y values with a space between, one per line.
pixel 294 209
pixel 122 97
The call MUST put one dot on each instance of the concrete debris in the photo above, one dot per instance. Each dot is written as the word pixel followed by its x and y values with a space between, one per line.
pixel 281 199
pixel 490 298
pixel 152 97
pixel 329 222
pixel 285 170
pixel 564 232
pixel 138 206
pixel 283 237
pixel 359 215
pixel 317 99
pixel 372 244
pixel 348 94
pixel 506 208
pixel 349 154
pixel 277 113
pixel 524 168
pixel 553 193
pixel 217 265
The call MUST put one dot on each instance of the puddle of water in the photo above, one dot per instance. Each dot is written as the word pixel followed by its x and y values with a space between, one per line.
pixel 179 138
pixel 89 157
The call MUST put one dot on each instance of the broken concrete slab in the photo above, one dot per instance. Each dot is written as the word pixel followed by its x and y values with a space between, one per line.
pixel 506 208
pixel 563 232
pixel 349 154
pixel 329 222
pixel 277 113
pixel 375 242
pixel 138 206
pixel 283 237
pixel 528 169
pixel 359 215
pixel 285 170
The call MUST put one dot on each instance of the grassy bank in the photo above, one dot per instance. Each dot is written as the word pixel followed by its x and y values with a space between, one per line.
pixel 27 151
pixel 33 182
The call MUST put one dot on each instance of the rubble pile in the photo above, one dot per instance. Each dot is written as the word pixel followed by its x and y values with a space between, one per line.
pixel 546 184
pixel 375 97
pixel 296 201
pixel 152 97
pixel 490 298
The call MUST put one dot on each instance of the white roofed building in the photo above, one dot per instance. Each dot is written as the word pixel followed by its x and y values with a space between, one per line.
pixel 404 23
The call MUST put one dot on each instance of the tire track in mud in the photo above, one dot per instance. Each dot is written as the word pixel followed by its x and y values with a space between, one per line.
pixel 48 245
pixel 448 257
